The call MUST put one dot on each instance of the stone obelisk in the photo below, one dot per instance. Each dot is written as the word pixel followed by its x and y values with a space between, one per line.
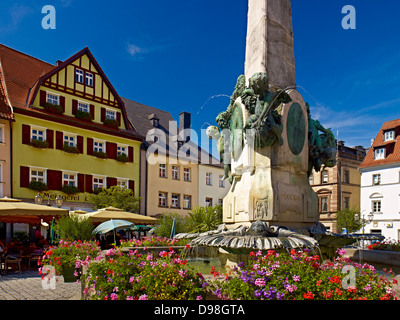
pixel 269 43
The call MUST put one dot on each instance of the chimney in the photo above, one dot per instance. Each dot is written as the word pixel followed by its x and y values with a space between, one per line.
pixel 184 123
pixel 58 62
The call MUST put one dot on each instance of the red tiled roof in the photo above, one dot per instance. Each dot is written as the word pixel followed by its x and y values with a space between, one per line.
pixel 392 147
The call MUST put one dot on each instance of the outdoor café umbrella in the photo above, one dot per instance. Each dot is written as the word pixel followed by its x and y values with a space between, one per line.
pixel 111 225
pixel 115 213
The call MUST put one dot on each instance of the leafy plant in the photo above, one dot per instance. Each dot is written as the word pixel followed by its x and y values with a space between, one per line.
pixel 38 186
pixel 112 123
pixel 346 220
pixel 154 242
pixel 300 276
pixel 39 144
pixel 135 276
pixel 202 219
pixel 74 228
pixel 117 197
pixel 122 157
pixel 70 190
pixel 69 254
pixel 69 149
pixel 164 226
pixel 83 115
pixel 100 154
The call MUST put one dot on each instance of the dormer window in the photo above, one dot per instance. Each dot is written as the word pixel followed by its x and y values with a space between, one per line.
pixel 154 119
pixel 389 135
pixel 379 153
pixel 155 122
pixel 110 114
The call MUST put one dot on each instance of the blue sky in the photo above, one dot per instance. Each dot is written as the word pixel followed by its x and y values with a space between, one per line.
pixel 185 55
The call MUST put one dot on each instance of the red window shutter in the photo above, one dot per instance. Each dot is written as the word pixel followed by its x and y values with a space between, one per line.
pixel 62 103
pixel 88 183
pixel 81 182
pixel 111 182
pixel 89 146
pixel 111 149
pixel 59 140
pixel 50 138
pixel 130 154
pixel 74 106
pixel 54 179
pixel 43 98
pixel 103 114
pixel 24 177
pixel 119 118
pixel 26 134
pixel 79 143
pixel 132 186
pixel 91 107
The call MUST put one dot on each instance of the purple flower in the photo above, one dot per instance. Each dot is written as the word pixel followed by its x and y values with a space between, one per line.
pixel 257 293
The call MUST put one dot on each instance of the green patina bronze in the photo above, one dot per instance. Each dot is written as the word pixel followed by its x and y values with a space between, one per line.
pixel 296 129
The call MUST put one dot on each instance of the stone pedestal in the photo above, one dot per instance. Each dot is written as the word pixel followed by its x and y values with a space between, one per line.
pixel 271 184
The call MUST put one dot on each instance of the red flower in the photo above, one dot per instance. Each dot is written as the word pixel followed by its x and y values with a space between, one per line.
pixel 170 249
pixel 309 295
pixel 252 254
pixel 188 246
pixel 319 282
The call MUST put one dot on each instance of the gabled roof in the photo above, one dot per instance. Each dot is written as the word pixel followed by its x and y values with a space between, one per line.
pixel 392 147
pixel 5 107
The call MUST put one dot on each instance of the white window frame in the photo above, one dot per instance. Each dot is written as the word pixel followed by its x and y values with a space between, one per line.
pixel 324 177
pixel 187 174
pixel 175 172
pixel 162 199
pixel 122 149
pixel 36 176
pixel 379 153
pixel 111 114
pixel 221 182
pixel 376 179
pixel 74 180
pixel 99 185
pixel 209 202
pixel 89 79
pixel 79 76
pixel 36 128
pixel 52 98
pixel 96 145
pixel 208 178
pixel 175 200
pixel 187 201
pixel 69 141
pixel 389 135
pixel 83 106
pixel 162 170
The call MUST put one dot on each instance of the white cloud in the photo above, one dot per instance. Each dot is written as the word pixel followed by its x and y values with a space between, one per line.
pixel 134 50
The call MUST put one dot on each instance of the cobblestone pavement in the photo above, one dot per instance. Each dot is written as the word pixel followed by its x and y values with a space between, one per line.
pixel 27 285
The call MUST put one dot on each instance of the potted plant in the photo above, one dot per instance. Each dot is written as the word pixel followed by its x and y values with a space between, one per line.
pixel 112 123
pixel 39 144
pixel 66 254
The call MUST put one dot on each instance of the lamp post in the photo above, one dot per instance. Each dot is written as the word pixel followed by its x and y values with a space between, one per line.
pixel 59 201
pixel 370 218
pixel 38 199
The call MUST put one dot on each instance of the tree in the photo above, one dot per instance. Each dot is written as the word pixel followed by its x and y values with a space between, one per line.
pixel 164 225
pixel 117 197
pixel 346 220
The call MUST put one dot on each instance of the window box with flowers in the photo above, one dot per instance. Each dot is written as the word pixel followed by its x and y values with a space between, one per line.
pixel 83 115
pixel 69 190
pixel 112 123
pixel 53 108
pixel 70 149
pixel 100 154
pixel 122 157
pixel 38 186
pixel 39 144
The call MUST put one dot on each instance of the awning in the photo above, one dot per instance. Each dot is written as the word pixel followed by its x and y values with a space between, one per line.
pixel 115 213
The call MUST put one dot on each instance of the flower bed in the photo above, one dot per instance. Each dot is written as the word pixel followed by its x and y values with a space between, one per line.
pixel 154 242
pixel 300 276
pixel 69 254
pixel 135 276
pixel 386 245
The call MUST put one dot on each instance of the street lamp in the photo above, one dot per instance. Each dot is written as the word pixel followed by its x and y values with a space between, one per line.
pixel 59 201
pixel 38 199
pixel 370 218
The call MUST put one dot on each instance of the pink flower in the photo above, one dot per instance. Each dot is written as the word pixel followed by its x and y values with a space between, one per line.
pixel 143 297
pixel 114 296
pixel 260 282
pixel 199 298
pixel 296 278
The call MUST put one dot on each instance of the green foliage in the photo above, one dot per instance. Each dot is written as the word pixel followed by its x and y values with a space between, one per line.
pixel 135 276
pixel 202 219
pixel 39 144
pixel 21 236
pixel 83 115
pixel 100 154
pixel 53 108
pixel 346 219
pixel 117 197
pixel 38 186
pixel 164 226
pixel 69 149
pixel 74 228
pixel 67 189
pixel 112 123
pixel 122 157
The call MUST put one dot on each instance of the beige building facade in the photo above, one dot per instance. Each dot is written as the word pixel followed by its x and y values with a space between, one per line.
pixel 212 189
